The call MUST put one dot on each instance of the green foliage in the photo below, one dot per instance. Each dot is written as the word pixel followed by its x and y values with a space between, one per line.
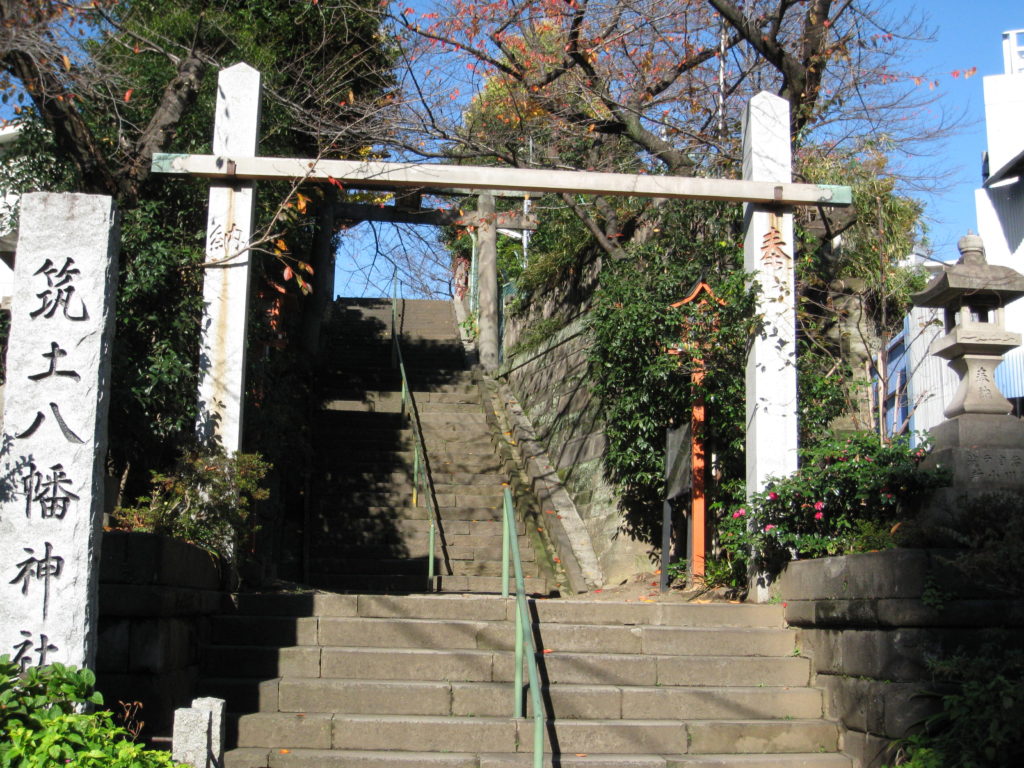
pixel 206 500
pixel 991 533
pixel 80 741
pixel 158 309
pixel 822 394
pixel 557 249
pixel 642 389
pixel 846 497
pixel 536 334
pixel 886 229
pixel 979 725
pixel 41 723
pixel 28 699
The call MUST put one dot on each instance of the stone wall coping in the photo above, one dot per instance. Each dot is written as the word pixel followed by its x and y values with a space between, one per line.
pixel 567 529
pixel 136 557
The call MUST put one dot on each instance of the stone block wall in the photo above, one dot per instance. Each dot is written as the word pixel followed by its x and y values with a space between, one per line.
pixel 156 599
pixel 550 383
pixel 870 622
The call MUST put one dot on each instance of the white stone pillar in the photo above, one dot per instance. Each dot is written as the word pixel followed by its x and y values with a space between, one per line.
pixel 55 428
pixel 487 266
pixel 226 280
pixel 771 444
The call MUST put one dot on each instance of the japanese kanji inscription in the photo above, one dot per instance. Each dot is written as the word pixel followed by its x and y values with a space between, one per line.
pixel 54 441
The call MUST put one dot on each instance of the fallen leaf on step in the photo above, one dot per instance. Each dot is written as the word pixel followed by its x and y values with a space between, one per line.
pixel 581 754
pixel 548 650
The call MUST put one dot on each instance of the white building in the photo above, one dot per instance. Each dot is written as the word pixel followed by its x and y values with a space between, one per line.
pixel 1000 201
pixel 8 235
pixel 999 207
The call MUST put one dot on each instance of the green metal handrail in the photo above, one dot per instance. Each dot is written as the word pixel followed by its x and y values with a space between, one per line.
pixel 524 633
pixel 422 482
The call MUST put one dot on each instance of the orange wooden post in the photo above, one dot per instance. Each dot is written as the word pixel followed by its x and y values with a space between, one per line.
pixel 698 527
pixel 698 466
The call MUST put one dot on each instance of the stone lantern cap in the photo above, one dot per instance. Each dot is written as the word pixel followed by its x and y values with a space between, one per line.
pixel 971 278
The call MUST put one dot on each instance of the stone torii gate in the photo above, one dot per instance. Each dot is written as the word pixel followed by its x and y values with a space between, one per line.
pixel 766 190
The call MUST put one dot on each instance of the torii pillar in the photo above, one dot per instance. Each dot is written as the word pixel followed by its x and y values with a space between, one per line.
pixel 488 342
pixel 771 426
pixel 226 279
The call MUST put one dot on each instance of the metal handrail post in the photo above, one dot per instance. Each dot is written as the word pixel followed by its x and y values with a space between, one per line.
pixel 524 641
pixel 394 321
pixel 505 544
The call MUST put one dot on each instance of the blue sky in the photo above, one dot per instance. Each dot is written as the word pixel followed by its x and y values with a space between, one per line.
pixel 966 35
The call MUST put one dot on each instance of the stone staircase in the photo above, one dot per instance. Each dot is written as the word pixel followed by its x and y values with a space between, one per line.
pixel 368 681
pixel 357 678
pixel 366 534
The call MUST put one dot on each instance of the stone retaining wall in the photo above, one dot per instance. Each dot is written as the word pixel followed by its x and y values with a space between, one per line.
pixel 550 383
pixel 869 623
pixel 156 597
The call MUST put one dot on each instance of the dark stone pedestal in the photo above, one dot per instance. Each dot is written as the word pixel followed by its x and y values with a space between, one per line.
pixel 985 454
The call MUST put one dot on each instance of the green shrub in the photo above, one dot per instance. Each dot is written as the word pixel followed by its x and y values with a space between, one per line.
pixel 29 697
pixel 206 501
pixel 980 722
pixel 846 497
pixel 42 723
pixel 78 741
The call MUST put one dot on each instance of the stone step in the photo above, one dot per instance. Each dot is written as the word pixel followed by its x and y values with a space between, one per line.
pixel 488 514
pixel 466 734
pixel 492 584
pixel 340 485
pixel 242 694
pixel 577 639
pixel 568 611
pixel 410 566
pixel 313 603
pixel 497 666
pixel 455 583
pixel 387 459
pixel 667 641
pixel 390 401
pixel 587 760
pixel 340 444
pixel 492 568
pixel 658 670
pixel 313 758
pixel 573 702
pixel 489 608
pixel 416 633
pixel 431 411
pixel 398 583
pixel 387 543
pixel 474 533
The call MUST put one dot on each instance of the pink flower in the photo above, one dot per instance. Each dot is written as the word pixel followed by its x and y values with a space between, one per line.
pixel 819 505
pixel 739 513
pixel 773 496
pixel 768 527
pixel 819 515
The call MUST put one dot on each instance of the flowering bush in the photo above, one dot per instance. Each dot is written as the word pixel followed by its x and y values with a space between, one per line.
pixel 848 496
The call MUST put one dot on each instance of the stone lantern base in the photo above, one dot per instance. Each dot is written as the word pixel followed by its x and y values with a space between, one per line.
pixel 985 453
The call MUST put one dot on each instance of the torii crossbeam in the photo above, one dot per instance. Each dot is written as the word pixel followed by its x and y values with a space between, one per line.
pixel 766 190
pixel 380 175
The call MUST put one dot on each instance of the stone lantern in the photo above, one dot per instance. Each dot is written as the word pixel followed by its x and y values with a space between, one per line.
pixel 972 294
pixel 979 441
